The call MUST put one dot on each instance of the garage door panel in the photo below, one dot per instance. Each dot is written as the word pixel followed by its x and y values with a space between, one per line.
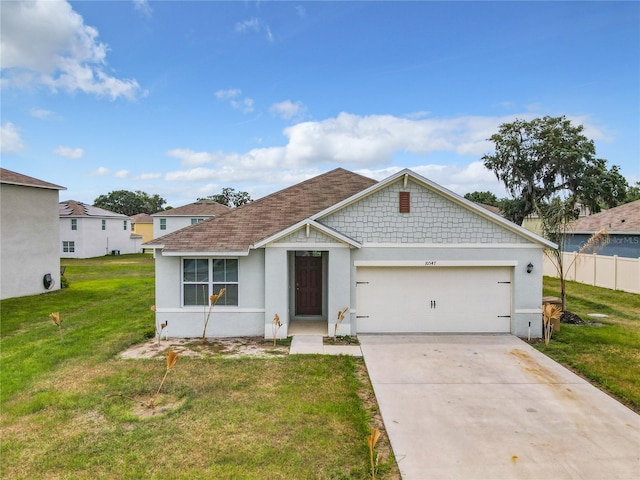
pixel 446 300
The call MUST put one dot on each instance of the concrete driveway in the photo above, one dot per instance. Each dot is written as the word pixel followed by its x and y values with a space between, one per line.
pixel 492 407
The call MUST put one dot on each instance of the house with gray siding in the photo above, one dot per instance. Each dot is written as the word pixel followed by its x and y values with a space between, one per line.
pixel 403 255
pixel 29 235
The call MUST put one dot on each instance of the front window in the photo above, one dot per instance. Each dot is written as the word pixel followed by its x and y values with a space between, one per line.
pixel 196 220
pixel 74 224
pixel 163 224
pixel 124 224
pixel 68 247
pixel 104 224
pixel 202 277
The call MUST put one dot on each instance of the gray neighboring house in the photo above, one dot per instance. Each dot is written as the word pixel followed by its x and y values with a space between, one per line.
pixel 29 235
pixel 169 221
pixel 402 255
pixel 622 223
pixel 87 231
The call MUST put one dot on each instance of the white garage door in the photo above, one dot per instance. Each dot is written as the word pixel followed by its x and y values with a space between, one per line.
pixel 419 299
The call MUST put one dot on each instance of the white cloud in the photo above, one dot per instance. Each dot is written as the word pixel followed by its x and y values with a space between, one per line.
pixel 40 113
pixel 448 151
pixel 10 140
pixel 121 174
pixel 68 152
pixel 234 97
pixel 47 43
pixel 143 7
pixel 255 25
pixel 288 109
pixel 101 172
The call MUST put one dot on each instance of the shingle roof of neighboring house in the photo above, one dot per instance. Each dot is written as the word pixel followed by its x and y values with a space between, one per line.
pixel 142 218
pixel 491 208
pixel 201 207
pixel 244 226
pixel 623 219
pixel 71 208
pixel 14 178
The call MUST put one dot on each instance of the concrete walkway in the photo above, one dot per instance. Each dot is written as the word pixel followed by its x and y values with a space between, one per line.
pixel 492 407
pixel 309 344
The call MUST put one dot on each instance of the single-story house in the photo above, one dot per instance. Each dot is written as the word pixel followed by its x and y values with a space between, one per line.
pixel 169 221
pixel 87 231
pixel 622 224
pixel 401 255
pixel 29 235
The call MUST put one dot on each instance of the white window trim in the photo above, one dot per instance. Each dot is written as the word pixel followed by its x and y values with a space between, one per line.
pixel 70 246
pixel 163 223
pixel 210 283
pixel 74 224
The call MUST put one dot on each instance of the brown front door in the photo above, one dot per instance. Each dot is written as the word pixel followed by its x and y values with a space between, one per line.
pixel 308 285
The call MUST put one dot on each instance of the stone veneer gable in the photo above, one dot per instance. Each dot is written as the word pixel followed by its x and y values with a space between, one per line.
pixel 433 219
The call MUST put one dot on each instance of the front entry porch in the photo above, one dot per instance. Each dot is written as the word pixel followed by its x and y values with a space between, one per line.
pixel 307 327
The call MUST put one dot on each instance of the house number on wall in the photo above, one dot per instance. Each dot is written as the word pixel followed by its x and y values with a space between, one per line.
pixel 430 263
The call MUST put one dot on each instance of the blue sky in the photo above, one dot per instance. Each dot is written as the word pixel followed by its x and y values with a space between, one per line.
pixel 182 99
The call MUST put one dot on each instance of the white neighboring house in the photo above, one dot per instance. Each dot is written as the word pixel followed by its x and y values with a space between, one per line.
pixel 29 241
pixel 169 221
pixel 87 231
pixel 403 255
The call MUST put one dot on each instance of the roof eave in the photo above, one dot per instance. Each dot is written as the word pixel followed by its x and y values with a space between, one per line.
pixel 311 223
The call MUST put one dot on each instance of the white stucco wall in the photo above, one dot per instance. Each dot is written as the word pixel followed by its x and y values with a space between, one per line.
pixel 91 241
pixel 29 237
pixel 173 223
pixel 247 319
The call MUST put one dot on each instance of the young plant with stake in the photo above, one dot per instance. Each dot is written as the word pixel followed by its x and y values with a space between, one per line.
pixel 340 320
pixel 550 312
pixel 276 324
pixel 55 318
pixel 172 358
pixel 212 300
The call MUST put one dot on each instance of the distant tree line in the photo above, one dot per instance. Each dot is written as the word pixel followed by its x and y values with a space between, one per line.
pixel 131 203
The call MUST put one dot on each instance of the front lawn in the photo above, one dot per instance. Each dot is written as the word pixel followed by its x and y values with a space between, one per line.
pixel 606 351
pixel 72 408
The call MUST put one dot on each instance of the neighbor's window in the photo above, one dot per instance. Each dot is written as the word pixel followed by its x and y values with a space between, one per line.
pixel 202 277
pixel 74 224
pixel 68 247
pixel 196 220
pixel 163 224
pixel 104 224
pixel 124 224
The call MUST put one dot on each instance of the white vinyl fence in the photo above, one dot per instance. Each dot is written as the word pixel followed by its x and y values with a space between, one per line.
pixel 617 273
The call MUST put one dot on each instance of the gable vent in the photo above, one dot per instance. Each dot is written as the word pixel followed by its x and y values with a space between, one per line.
pixel 405 202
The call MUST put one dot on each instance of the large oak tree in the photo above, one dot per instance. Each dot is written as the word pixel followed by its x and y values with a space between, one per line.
pixel 130 203
pixel 549 157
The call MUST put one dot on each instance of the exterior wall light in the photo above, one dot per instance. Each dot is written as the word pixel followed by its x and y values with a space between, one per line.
pixel 530 267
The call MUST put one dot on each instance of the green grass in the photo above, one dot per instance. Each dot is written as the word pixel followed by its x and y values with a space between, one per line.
pixel 71 408
pixel 607 351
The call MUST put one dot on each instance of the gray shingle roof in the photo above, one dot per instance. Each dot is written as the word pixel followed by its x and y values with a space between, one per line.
pixel 71 208
pixel 207 208
pixel 623 218
pixel 14 178
pixel 241 227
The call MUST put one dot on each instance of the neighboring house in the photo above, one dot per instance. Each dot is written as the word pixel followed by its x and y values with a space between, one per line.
pixel 87 231
pixel 169 221
pixel 622 224
pixel 403 255
pixel 29 235
pixel 142 224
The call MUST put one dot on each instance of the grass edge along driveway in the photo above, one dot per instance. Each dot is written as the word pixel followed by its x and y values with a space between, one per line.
pixel 605 351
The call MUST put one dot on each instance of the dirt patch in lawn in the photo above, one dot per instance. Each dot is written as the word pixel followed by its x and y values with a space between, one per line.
pixel 213 347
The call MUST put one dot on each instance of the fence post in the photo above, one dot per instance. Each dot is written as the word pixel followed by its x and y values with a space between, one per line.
pixel 595 268
pixel 615 272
